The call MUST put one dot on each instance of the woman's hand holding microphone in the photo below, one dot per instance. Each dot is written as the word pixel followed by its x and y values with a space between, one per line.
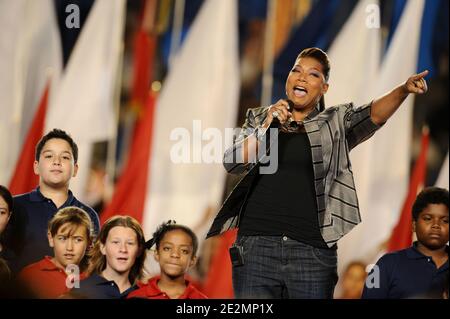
pixel 280 111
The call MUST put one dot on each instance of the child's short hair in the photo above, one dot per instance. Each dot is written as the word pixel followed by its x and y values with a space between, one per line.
pixel 6 195
pixel 164 228
pixel 71 215
pixel 429 195
pixel 97 261
pixel 56 133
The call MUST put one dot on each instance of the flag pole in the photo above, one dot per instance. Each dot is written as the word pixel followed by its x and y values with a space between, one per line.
pixel 177 27
pixel 269 41
pixel 112 143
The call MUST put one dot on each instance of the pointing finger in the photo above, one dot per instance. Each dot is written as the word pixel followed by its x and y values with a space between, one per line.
pixel 420 75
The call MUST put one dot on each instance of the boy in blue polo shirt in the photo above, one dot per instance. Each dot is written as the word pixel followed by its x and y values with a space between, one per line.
pixel 419 271
pixel 56 163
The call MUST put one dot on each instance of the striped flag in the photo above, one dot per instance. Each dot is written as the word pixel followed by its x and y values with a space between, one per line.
pixel 83 104
pixel 131 188
pixel 381 164
pixel 401 236
pixel 24 179
pixel 200 92
pixel 442 180
pixel 30 64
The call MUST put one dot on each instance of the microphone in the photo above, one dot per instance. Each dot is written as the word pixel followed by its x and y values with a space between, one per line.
pixel 276 121
pixel 291 105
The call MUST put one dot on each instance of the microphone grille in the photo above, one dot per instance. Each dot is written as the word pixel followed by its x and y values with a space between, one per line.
pixel 291 104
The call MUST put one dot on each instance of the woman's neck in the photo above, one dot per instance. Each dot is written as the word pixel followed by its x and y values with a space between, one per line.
pixel 121 279
pixel 300 114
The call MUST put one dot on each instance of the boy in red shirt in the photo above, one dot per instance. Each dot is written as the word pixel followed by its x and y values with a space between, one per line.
pixel 176 248
pixel 69 234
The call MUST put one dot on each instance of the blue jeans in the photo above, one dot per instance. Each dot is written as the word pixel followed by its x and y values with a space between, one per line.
pixel 278 267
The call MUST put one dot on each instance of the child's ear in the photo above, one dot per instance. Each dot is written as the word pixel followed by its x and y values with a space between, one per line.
pixel 36 167
pixel 75 170
pixel 193 261
pixel 50 240
pixel 102 249
pixel 325 88
pixel 414 226
pixel 156 255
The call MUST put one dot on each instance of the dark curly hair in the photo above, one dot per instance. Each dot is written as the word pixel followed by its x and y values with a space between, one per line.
pixel 429 195
pixel 166 227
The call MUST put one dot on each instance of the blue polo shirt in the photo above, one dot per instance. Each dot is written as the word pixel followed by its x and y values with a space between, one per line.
pixel 97 287
pixel 27 233
pixel 407 274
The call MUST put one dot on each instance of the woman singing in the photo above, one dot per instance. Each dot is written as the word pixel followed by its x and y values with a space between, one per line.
pixel 291 219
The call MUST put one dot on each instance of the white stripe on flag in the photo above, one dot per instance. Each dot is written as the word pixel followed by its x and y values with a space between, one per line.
pixel 381 165
pixel 83 104
pixel 442 180
pixel 354 58
pixel 203 84
pixel 30 53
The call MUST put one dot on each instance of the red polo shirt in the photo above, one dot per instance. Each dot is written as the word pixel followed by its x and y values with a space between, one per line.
pixel 44 279
pixel 151 290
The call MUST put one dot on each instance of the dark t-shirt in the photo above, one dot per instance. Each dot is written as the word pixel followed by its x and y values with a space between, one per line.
pixel 97 287
pixel 406 274
pixel 284 203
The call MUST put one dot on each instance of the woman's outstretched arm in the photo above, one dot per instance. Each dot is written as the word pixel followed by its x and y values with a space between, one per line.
pixel 385 106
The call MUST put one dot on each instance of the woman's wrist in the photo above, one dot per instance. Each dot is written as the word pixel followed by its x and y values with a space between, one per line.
pixel 403 91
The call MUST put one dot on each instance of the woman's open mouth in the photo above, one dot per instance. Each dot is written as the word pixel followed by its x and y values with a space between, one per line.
pixel 300 91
